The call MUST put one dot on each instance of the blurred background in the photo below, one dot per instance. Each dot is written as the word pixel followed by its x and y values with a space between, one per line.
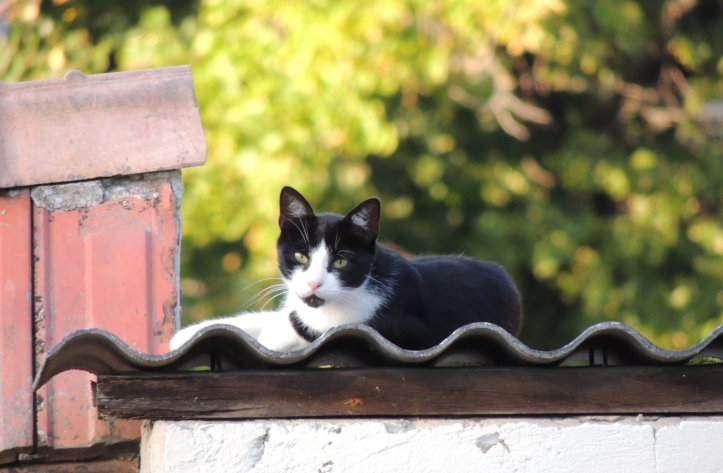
pixel 577 143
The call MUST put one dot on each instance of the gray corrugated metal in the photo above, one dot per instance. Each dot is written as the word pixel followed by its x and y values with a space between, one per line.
pixel 226 347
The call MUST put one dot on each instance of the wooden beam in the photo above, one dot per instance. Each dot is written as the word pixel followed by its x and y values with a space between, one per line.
pixel 403 392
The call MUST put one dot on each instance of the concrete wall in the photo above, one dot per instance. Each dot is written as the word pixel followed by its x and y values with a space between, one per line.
pixel 589 444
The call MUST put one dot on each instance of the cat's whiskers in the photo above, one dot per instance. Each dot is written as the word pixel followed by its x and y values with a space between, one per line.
pixel 342 296
pixel 255 283
pixel 372 278
pixel 270 289
pixel 281 293
pixel 274 291
pixel 258 295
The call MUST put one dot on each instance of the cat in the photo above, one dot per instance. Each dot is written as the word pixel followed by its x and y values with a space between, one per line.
pixel 336 273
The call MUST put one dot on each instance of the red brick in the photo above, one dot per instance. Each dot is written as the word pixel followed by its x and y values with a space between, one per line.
pixel 16 322
pixel 111 265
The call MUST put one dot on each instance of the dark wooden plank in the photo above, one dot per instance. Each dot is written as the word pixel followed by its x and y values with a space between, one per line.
pixel 413 392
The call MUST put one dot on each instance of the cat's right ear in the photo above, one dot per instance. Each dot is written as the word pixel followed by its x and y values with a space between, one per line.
pixel 292 207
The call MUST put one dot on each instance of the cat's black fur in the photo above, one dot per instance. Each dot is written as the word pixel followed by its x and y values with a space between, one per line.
pixel 426 299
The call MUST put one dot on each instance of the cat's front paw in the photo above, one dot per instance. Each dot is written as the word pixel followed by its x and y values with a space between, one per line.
pixel 183 335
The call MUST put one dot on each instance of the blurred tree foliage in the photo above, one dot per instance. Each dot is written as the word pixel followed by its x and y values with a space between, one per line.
pixel 578 143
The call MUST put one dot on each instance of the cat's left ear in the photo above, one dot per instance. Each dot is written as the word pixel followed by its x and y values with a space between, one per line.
pixel 364 219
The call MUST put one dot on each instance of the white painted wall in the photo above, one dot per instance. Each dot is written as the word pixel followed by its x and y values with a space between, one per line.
pixel 584 444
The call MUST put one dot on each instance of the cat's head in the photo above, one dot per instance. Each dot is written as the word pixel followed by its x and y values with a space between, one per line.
pixel 323 257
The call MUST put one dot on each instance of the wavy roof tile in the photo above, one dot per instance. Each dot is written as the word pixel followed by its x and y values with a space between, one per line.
pixel 481 344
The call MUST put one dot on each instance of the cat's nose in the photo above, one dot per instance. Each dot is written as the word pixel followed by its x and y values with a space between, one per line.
pixel 314 285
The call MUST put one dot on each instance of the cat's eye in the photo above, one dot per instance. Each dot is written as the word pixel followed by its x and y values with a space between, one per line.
pixel 340 262
pixel 301 257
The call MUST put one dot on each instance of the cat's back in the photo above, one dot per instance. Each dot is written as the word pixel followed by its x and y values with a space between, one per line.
pixel 451 273
pixel 435 295
pixel 463 290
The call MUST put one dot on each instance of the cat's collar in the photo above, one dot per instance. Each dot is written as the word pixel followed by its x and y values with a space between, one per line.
pixel 303 330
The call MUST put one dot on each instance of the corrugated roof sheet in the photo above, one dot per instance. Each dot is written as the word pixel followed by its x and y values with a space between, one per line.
pixel 226 347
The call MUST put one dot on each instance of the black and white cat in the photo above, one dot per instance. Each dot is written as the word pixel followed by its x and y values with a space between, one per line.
pixel 336 273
